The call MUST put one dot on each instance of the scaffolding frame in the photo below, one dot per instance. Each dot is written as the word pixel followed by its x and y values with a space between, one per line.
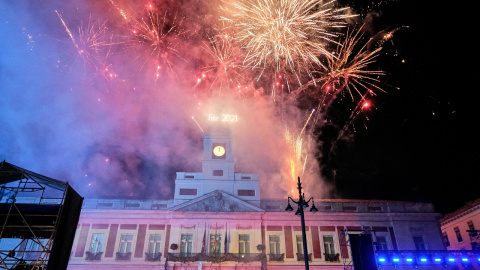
pixel 345 246
pixel 345 249
pixel 31 207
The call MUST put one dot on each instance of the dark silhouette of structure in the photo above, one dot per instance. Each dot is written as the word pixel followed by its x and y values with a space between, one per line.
pixel 38 219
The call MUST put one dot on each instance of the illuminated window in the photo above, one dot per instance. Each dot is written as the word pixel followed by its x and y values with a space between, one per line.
pixel 215 243
pixel 97 242
pixel 154 243
pixel 126 243
pixel 186 244
pixel 274 244
pixel 328 245
pixel 243 243
pixel 299 244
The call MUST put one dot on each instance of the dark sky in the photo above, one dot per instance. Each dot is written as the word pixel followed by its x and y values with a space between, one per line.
pixel 420 144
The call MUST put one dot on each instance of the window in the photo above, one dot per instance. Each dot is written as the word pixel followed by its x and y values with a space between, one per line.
pixel 471 231
pixel 246 192
pixel 445 239
pixel 126 243
pixel 458 234
pixel 217 172
pixel 299 244
pixel 419 244
pixel 215 243
pixel 186 244
pixel 382 243
pixel 97 242
pixel 328 245
pixel 188 191
pixel 243 243
pixel 470 225
pixel 274 241
pixel 154 243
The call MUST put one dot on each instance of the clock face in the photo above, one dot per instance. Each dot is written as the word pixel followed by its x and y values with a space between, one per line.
pixel 219 151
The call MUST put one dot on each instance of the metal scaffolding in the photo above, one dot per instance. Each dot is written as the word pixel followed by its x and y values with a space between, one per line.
pixel 38 218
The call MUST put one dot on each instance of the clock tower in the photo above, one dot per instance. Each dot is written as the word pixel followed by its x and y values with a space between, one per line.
pixel 218 172
pixel 218 162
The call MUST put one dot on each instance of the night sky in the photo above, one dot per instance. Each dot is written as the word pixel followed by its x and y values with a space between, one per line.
pixel 58 117
pixel 420 144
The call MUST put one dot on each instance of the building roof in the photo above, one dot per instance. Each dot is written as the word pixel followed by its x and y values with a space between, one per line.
pixel 11 173
pixel 465 208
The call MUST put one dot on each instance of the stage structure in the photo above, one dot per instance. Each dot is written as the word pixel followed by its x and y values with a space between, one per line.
pixel 38 219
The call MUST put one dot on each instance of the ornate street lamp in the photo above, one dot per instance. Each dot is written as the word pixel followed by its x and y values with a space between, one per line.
pixel 302 203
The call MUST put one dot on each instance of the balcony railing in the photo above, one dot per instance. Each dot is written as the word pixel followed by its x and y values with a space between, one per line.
pixel 300 257
pixel 276 257
pixel 152 257
pixel 332 257
pixel 93 256
pixel 123 256
pixel 216 257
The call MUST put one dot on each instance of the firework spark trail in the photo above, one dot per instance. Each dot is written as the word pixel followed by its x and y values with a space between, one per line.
pixel 285 34
pixel 120 10
pixel 68 31
pixel 225 73
pixel 349 70
pixel 161 35
pixel 92 45
pixel 361 106
pixel 295 143
pixel 193 118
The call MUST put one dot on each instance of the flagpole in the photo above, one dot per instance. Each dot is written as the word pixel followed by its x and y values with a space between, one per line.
pixel 215 240
pixel 204 239
pixel 226 239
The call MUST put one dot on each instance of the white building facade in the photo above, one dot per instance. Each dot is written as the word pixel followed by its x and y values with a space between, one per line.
pixel 217 220
pixel 461 232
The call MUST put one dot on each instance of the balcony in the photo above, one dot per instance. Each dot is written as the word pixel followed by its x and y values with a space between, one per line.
pixel 93 256
pixel 276 257
pixel 120 256
pixel 301 258
pixel 332 257
pixel 216 257
pixel 153 257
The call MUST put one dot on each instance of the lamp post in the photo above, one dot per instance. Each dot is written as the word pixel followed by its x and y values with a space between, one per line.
pixel 302 203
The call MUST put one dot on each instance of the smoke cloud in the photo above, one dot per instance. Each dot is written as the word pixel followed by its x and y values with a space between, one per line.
pixel 116 121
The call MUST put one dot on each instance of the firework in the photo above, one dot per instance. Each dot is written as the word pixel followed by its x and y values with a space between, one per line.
pixel 161 35
pixel 285 34
pixel 93 44
pixel 224 73
pixel 349 70
pixel 296 152
pixel 363 105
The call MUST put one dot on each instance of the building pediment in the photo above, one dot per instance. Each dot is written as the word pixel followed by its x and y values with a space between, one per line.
pixel 216 201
